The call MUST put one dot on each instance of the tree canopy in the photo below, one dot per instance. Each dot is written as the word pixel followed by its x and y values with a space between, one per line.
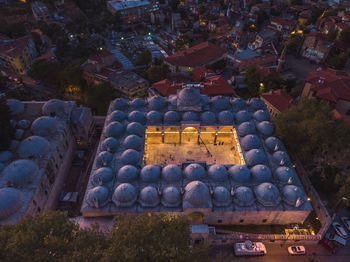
pixel 252 79
pixel 7 132
pixel 345 35
pixel 144 58
pixel 98 97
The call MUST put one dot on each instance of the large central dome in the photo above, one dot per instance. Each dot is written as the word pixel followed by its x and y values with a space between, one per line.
pixel 189 96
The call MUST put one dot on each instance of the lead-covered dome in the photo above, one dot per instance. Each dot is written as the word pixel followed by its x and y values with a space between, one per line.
pixel 149 197
pixel 221 197
pixel 246 128
pixel 127 174
pixel 33 147
pixel 194 172
pixel 219 103
pixel 5 156
pixel 102 176
pixel 11 200
pixel 137 103
pixel 110 144
pixel 20 172
pixel 285 174
pixel 45 126
pixel 130 157
pixel 132 142
pixel 243 196
pixel 189 96
pixel 261 115
pixel 97 197
pixel 256 104
pixel 171 173
pixel 171 117
pixel 238 104
pixel 267 194
pixel 16 106
pixel 190 116
pixel 208 118
pixel 239 174
pixel 243 116
pixel 124 195
pixel 273 143
pixel 281 158
pixel 254 157
pixel 23 124
pixel 261 173
pixel 56 107
pixel 226 117
pixel 114 129
pixel 197 195
pixel 154 117
pixel 293 195
pixel 120 104
pixel 136 116
pixel 265 128
pixel 171 197
pixel 217 173
pixel 250 142
pixel 135 128
pixel 104 158
pixel 157 103
pixel 116 115
pixel 150 174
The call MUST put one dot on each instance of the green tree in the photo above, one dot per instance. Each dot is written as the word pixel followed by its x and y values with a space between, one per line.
pixel 157 72
pixel 332 35
pixel 99 97
pixel 272 82
pixel 45 71
pixel 345 35
pixel 339 61
pixel 7 132
pixel 144 58
pixel 293 44
pixel 252 79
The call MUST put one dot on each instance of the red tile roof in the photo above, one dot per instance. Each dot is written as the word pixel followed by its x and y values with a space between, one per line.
pixel 200 73
pixel 217 85
pixel 14 48
pixel 279 99
pixel 338 115
pixel 165 87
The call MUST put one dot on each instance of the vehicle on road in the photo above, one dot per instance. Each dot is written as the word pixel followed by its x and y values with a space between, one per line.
pixel 340 230
pixel 249 248
pixel 328 244
pixel 339 241
pixel 296 250
pixel 346 222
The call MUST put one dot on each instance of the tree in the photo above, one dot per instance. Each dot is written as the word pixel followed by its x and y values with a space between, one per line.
pixel 345 35
pixel 45 71
pixel 293 44
pixel 144 58
pixel 99 97
pixel 7 132
pixel 157 72
pixel 252 79
pixel 332 35
pixel 338 62
pixel 272 82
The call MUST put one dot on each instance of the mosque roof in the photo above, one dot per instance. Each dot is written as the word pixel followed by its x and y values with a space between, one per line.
pixel 16 106
pixel 243 196
pixel 254 157
pixel 238 104
pixel 250 142
pixel 272 143
pixel 221 197
pixel 293 195
pixel 124 195
pixel 45 126
pixel 219 103
pixel 171 173
pixel 171 117
pixel 130 157
pixel 190 116
pixel 104 158
pixel 261 173
pixel 265 128
pixel 149 197
pixel 137 103
pixel 102 176
pixel 154 117
pixel 98 196
pixel 239 173
pixel 135 128
pixel 246 128
pixel 56 107
pixel 285 174
pixel 217 173
pixel 116 115
pixel 197 195
pixel 194 172
pixel 110 144
pixel 157 103
pixel 132 142
pixel 150 173
pixel 33 147
pixel 242 116
pixel 11 199
pixel 127 174
pixel 208 118
pixel 114 129
pixel 267 194
pixel 137 116
pixel 20 172
pixel 281 158
pixel 261 115
pixel 119 104
pixel 226 117
pixel 189 96
pixel 171 197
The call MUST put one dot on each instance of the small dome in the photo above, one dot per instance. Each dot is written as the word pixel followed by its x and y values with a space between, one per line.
pixel 243 196
pixel 208 118
pixel 256 104
pixel 219 103
pixel 5 156
pixel 120 104
pixel 44 126
pixel 150 173
pixel 130 157
pixel 221 197
pixel 171 117
pixel 189 96
pixel 154 117
pixel 265 128
pixel 171 197
pixel 261 173
pixel 239 174
pixel 19 134
pixel 104 158
pixel 281 158
pixel 157 103
pixel 254 157
pixel 114 129
pixel 149 197
pixel 217 173
pixel 11 200
pixel 102 176
pixel 190 116
pixel 124 195
pixel 197 194
pixel 127 174
pixel 135 128
pixel 33 147
pixel 267 194
pixel 194 172
pixel 23 124
pixel 246 128
pixel 261 115
pixel 243 116
pixel 226 118
pixel 285 174
pixel 132 142
pixel 238 104
pixel 20 172
pixel 97 197
pixel 272 143
pixel 56 107
pixel 116 115
pixel 14 145
pixel 110 144
pixel 137 103
pixel 250 142
pixel 293 195
pixel 16 106
pixel 171 173
pixel 137 116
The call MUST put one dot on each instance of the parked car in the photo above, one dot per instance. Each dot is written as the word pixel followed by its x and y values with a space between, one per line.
pixel 339 241
pixel 249 248
pixel 346 222
pixel 339 229
pixel 328 244
pixel 296 250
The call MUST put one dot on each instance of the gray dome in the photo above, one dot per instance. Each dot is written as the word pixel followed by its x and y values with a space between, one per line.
pixel 104 158
pixel 272 143
pixel 238 104
pixel 150 173
pixel 14 144
pixel 16 106
pixel 33 147
pixel 261 115
pixel 246 128
pixel 114 129
pixel 97 197
pixel 132 142
pixel 137 116
pixel 221 197
pixel 171 117
pixel 194 172
pixel 130 157
pixel 254 157
pixel 261 173
pixel 56 107
pixel 19 133
pixel 20 172
pixel 293 195
pixel 226 118
pixel 281 158
pixel 217 173
pixel 11 200
pixel 124 195
pixel 154 117
pixel 110 144
pixel 102 176
pixel 267 194
pixel 137 103
pixel 24 124
pixel 190 116
pixel 239 174
pixel 208 118
pixel 171 173
pixel 157 103
pixel 256 104
pixel 127 174
pixel 120 104
pixel 171 197
pixel 45 126
pixel 265 128
pixel 243 196
pixel 116 115
pixel 243 116
pixel 250 142
pixel 189 96
pixel 5 156
pixel 219 103
pixel 135 128
pixel 285 174
pixel 149 197
pixel 197 194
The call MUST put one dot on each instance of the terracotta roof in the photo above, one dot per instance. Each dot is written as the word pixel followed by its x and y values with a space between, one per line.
pixel 165 87
pixel 217 85
pixel 338 115
pixel 200 73
pixel 279 99
pixel 14 48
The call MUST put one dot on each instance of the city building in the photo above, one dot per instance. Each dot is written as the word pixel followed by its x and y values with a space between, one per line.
pixel 131 10
pixel 264 38
pixel 277 101
pixel 316 47
pixel 40 11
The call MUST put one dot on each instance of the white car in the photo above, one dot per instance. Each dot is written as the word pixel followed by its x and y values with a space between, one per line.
pixel 296 250
pixel 346 222
pixel 339 229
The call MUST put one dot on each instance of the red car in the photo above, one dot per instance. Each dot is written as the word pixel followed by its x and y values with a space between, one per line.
pixel 329 245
